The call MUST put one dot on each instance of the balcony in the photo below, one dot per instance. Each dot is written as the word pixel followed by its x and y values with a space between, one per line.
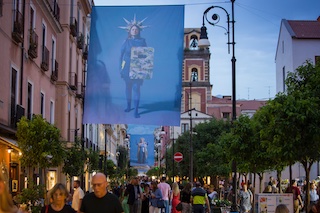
pixel 73 26
pixel 45 59
pixel 17 33
pixel 54 74
pixel 73 80
pixel 85 53
pixel 80 41
pixel 80 90
pixel 33 44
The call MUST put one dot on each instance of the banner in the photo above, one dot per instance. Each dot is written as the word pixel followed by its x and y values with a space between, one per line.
pixel 135 65
pixel 142 146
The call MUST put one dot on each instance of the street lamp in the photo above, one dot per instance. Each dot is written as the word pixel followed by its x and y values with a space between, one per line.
pixel 204 42
pixel 105 150
pixel 192 79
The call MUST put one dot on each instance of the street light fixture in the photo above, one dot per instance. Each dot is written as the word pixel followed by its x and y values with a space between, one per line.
pixel 204 43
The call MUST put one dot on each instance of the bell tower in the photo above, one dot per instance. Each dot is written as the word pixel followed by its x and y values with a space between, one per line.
pixel 196 73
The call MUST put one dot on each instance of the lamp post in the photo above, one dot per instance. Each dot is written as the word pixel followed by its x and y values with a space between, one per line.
pixel 105 151
pixel 191 145
pixel 204 42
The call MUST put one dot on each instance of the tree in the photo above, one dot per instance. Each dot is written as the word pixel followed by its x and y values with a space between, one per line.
pixel 40 143
pixel 210 159
pixel 293 130
pixel 74 160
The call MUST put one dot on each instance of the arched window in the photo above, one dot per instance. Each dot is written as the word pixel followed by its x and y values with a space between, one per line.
pixel 194 74
pixel 193 42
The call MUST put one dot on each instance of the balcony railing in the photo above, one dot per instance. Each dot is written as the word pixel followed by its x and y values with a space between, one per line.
pixel 33 44
pixel 45 59
pixel 17 33
pixel 80 41
pixel 80 90
pixel 54 74
pixel 73 80
pixel 73 26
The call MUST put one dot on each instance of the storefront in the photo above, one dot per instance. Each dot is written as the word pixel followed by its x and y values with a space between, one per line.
pixel 10 164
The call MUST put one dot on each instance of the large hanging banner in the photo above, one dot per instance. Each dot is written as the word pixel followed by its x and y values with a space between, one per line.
pixel 135 65
pixel 142 146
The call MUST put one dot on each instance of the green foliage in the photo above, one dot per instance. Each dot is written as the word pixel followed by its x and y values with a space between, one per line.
pixel 32 197
pixel 93 160
pixel 39 142
pixel 74 160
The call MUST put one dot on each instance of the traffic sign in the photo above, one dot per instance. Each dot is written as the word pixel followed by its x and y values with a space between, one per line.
pixel 178 157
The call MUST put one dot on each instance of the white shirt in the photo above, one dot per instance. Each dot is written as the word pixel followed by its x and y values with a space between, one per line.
pixel 77 196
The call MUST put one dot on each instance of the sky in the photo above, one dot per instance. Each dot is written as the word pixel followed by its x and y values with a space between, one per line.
pixel 257 26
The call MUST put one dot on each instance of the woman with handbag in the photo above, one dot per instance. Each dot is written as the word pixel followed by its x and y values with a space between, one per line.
pixel 155 199
pixel 58 196
pixel 175 197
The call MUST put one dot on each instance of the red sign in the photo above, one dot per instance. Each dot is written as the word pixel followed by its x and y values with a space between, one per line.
pixel 178 157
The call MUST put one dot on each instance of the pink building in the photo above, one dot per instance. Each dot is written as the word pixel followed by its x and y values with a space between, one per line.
pixel 43 64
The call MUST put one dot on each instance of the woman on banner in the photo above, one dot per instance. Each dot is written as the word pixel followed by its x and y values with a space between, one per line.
pixel 142 151
pixel 133 83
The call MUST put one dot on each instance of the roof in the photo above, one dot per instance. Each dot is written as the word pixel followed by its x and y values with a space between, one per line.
pixel 302 29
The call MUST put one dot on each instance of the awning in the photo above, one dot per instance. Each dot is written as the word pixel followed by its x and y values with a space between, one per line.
pixel 9 142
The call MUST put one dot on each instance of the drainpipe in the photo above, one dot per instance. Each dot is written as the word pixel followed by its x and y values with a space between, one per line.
pixel 22 52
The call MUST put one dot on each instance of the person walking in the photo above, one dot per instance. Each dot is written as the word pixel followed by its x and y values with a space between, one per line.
pixel 156 194
pixel 314 197
pixel 175 197
pixel 186 198
pixel 297 200
pixel 146 199
pixel 58 196
pixel 100 200
pixel 246 199
pixel 135 194
pixel 165 190
pixel 199 199
pixel 78 195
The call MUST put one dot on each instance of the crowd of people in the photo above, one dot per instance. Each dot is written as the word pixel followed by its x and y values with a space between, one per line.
pixel 142 195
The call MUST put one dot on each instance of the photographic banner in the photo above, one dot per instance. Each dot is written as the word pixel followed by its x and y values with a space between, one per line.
pixel 134 71
pixel 144 146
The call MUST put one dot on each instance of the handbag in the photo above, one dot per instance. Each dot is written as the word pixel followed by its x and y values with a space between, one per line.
pixel 160 203
pixel 179 207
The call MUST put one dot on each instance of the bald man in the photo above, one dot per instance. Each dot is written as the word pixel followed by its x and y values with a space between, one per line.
pixel 100 200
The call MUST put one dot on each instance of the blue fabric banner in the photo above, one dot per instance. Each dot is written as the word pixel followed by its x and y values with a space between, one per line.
pixel 142 146
pixel 135 61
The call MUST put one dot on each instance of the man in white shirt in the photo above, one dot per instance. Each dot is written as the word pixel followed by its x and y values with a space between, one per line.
pixel 78 195
pixel 165 190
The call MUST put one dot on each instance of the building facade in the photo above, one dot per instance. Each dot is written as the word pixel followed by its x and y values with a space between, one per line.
pixel 42 72
pixel 299 40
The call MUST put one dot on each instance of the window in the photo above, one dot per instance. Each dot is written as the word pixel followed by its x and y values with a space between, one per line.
pixel 193 42
pixel 1 5
pixel 44 29
pixel 194 74
pixel 53 55
pixel 184 128
pixel 29 101
pixel 226 115
pixel 13 98
pixel 317 60
pixel 32 17
pixel 42 104
pixel 51 112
